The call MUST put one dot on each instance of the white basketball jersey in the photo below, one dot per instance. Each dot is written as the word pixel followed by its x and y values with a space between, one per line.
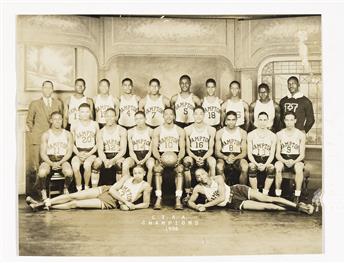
pixel 73 108
pixel 237 107
pixel 129 191
pixel 154 111
pixel 111 140
pixel 290 144
pixel 199 139
pixel 231 141
pixel 128 108
pixel 101 105
pixel 261 145
pixel 212 192
pixel 85 136
pixel 169 139
pixel 212 111
pixel 184 109
pixel 141 140
pixel 57 144
pixel 264 107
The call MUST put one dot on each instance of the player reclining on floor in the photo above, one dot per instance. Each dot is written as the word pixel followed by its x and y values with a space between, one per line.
pixel 237 196
pixel 124 193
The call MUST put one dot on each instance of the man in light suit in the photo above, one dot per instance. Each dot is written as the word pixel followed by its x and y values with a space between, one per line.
pixel 37 121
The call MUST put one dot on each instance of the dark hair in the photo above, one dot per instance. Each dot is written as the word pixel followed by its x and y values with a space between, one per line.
pixel 47 81
pixel 139 112
pixel 235 82
pixel 80 79
pixel 200 108
pixel 293 78
pixel 264 86
pixel 104 80
pixel 111 109
pixel 84 105
pixel 185 77
pixel 263 113
pixel 139 166
pixel 127 79
pixel 231 113
pixel 55 113
pixel 211 81
pixel 290 113
pixel 169 108
pixel 155 80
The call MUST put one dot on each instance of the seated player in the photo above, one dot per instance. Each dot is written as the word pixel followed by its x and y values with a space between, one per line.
pixel 56 150
pixel 212 105
pixel 111 146
pixel 168 138
pixel 154 104
pixel 139 145
pixel 237 196
pixel 104 101
pixel 84 133
pixel 290 154
pixel 199 145
pixel 261 149
pixel 124 193
pixel 231 149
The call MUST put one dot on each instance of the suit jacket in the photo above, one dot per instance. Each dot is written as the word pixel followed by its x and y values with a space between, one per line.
pixel 38 118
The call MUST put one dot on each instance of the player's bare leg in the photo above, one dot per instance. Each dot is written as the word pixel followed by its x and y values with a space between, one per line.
pixel 252 173
pixel 244 172
pixel 212 163
pixel 96 166
pixel 87 170
pixel 269 179
pixel 187 163
pixel 150 163
pixel 220 168
pixel 179 184
pixel 43 171
pixel 68 173
pixel 279 166
pixel 298 180
pixel 76 171
pixel 158 170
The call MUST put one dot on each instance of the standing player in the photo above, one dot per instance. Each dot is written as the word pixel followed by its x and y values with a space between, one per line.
pixel 265 104
pixel 154 104
pixel 238 196
pixel 299 104
pixel 199 144
pixel 111 146
pixel 184 103
pixel 212 105
pixel 261 149
pixel 125 193
pixel 129 104
pixel 56 149
pixel 104 101
pixel 290 154
pixel 140 147
pixel 84 133
pixel 231 149
pixel 73 102
pixel 236 104
pixel 168 138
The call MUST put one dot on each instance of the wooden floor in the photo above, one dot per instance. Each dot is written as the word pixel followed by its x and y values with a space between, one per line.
pixel 166 233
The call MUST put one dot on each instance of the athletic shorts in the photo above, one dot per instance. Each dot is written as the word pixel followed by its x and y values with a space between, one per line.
pixel 55 158
pixel 235 166
pixel 238 194
pixel 101 125
pixel 110 155
pixel 199 153
pixel 182 124
pixel 260 159
pixel 68 127
pixel 84 149
pixel 108 201
pixel 141 154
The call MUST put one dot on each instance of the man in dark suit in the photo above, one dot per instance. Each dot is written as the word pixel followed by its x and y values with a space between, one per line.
pixel 37 121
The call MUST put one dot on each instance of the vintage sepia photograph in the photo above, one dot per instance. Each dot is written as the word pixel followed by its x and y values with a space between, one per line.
pixel 169 135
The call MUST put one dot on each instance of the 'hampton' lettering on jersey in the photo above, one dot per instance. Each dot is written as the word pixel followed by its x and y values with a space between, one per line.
pixel 128 108
pixel 141 143
pixel 102 109
pixel 290 106
pixel 287 147
pixel 169 141
pixel 261 148
pixel 185 105
pixel 126 193
pixel 111 145
pixel 212 109
pixel 154 109
pixel 56 147
pixel 86 136
pixel 232 143
pixel 199 139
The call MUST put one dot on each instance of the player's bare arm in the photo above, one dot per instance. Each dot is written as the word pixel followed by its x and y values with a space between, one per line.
pixel 246 115
pixel 182 145
pixel 142 103
pixel 302 149
pixel 149 153
pixel 273 148
pixel 212 132
pixel 195 194
pixel 218 146
pixel 251 112
pixel 117 107
pixel 173 101
pixel 90 102
pixel 166 102
pixel 278 149
pixel 123 145
pixel 155 143
pixel 243 146
pixel 250 148
pixel 130 146
pixel 189 152
pixel 43 149
pixel 146 197
pixel 100 146
pixel 69 149
pixel 65 114
pixel 196 100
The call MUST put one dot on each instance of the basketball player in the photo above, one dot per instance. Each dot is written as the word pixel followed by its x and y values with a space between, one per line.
pixel 240 197
pixel 84 133
pixel 56 150
pixel 184 103
pixel 168 138
pixel 154 104
pixel 199 144
pixel 111 146
pixel 290 154
pixel 129 104
pixel 38 121
pixel 140 147
pixel 104 101
pixel 265 104
pixel 261 149
pixel 125 193
pixel 236 104
pixel 299 104
pixel 212 105
pixel 73 102
pixel 231 149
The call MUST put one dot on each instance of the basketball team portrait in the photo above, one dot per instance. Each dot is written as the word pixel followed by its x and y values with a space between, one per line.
pixel 169 135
